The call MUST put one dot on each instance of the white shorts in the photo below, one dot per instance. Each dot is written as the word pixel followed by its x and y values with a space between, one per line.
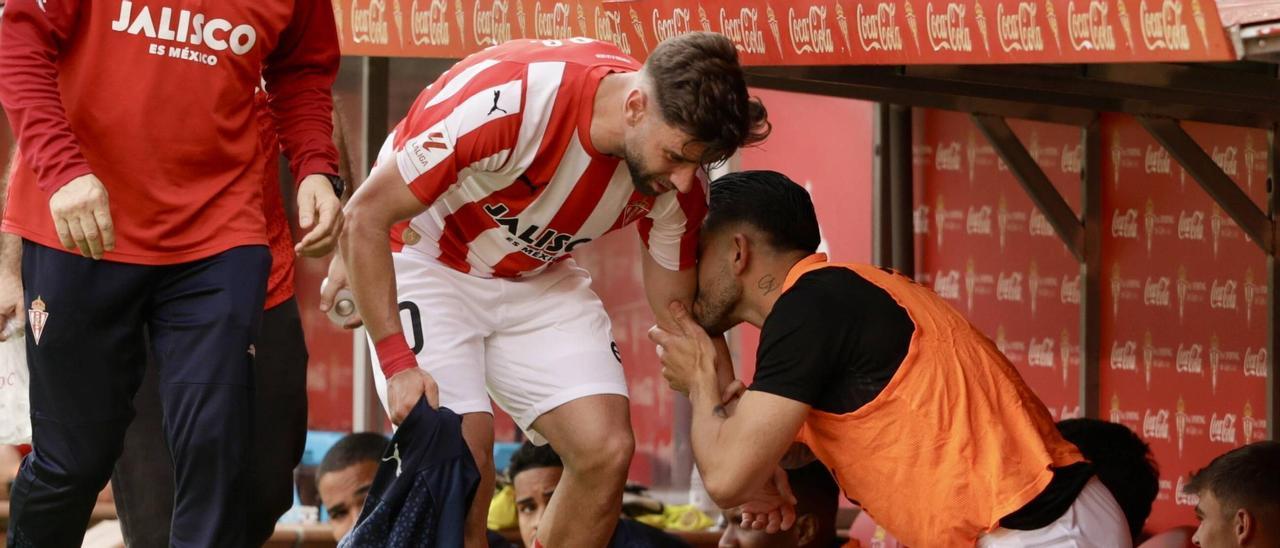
pixel 1094 520
pixel 533 344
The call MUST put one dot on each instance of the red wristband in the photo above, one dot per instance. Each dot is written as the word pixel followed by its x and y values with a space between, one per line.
pixel 394 355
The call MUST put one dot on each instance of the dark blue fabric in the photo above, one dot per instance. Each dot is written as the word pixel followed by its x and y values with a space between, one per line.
pixel 424 486
pixel 202 319
pixel 633 534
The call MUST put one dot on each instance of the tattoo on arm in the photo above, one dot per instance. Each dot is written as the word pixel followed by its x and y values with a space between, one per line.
pixel 767 284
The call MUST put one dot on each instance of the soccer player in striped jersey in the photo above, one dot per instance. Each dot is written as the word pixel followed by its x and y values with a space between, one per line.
pixel 501 169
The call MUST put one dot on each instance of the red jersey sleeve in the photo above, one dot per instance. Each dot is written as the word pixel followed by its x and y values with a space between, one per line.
pixel 670 231
pixel 468 123
pixel 299 75
pixel 34 35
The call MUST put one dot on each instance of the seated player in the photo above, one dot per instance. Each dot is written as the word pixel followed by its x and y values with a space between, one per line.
pixel 817 497
pixel 345 475
pixel 535 472
pixel 1123 463
pixel 918 415
pixel 1239 498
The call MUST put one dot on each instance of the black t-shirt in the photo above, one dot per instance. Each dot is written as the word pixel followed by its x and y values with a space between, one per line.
pixel 834 340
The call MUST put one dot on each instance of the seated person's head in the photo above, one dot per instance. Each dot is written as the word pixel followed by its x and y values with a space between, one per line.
pixel 753 216
pixel 345 475
pixel 1239 498
pixel 816 499
pixel 1123 463
pixel 534 473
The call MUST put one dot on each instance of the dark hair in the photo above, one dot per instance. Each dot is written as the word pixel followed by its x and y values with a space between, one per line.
pixel 769 201
pixel 350 450
pixel 702 91
pixel 816 494
pixel 1123 463
pixel 531 456
pixel 1246 477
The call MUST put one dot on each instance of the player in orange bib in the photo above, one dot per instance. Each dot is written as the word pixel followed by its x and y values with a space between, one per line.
pixel 923 422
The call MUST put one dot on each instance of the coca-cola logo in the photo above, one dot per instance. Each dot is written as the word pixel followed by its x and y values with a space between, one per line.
pixel 670 27
pixel 1227 160
pixel 1069 291
pixel 553 23
pixel 1018 31
pixel 1124 356
pixel 1155 425
pixel 490 26
pixel 429 24
pixel 1189 360
pixel 947 285
pixel 1090 29
pixel 1164 29
pixel 1039 224
pixel 1157 160
pixel 1009 288
pixel 1222 430
pixel 947 29
pixel 1040 353
pixel 1072 159
pixel 1182 498
pixel 879 30
pixel 1255 363
pixel 947 157
pixel 1156 292
pixel 920 219
pixel 743 30
pixel 609 29
pixel 1125 224
pixel 369 24
pixel 1223 296
pixel 1191 225
pixel 979 221
pixel 809 32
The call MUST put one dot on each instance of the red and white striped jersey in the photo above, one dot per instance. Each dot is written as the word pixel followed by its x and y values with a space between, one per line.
pixel 499 149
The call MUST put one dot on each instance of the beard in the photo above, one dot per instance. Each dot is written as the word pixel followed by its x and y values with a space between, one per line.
pixel 641 177
pixel 713 306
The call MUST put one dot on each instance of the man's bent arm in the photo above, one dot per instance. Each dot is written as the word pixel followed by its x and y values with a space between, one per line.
pixel 381 201
pixel 662 286
pixel 737 455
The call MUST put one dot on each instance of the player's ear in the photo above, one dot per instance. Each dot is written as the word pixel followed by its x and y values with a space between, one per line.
pixel 636 103
pixel 741 253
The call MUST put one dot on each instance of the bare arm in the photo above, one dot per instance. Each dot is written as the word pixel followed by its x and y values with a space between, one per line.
pixel 662 287
pixel 11 300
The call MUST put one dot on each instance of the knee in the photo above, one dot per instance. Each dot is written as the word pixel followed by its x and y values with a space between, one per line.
pixel 82 473
pixel 605 455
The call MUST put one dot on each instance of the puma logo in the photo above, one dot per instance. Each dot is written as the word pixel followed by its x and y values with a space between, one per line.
pixel 496 94
pixel 395 455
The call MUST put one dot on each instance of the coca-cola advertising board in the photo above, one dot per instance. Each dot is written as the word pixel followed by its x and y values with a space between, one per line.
pixel 1184 319
pixel 985 248
pixel 807 32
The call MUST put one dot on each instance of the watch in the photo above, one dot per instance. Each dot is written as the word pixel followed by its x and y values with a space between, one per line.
pixel 339 186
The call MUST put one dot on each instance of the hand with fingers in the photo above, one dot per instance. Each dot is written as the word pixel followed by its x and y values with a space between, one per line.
pixel 773 507
pixel 319 216
pixel 335 282
pixel 687 353
pixel 405 388
pixel 82 216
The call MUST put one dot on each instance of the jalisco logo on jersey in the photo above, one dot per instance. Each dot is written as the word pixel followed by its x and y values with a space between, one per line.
pixel 191 28
pixel 541 244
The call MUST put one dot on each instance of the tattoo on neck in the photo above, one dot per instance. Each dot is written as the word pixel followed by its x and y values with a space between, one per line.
pixel 767 284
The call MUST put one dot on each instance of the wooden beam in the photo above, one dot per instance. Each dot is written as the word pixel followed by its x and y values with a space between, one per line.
pixel 1273 300
pixel 1034 181
pixel 881 207
pixel 367 414
pixel 1091 270
pixel 901 189
pixel 1256 224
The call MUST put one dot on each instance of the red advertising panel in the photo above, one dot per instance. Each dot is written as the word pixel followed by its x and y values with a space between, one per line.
pixel 982 245
pixel 807 32
pixel 834 165
pixel 1184 359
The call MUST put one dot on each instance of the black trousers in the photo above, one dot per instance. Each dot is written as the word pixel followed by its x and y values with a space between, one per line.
pixel 143 479
pixel 87 355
